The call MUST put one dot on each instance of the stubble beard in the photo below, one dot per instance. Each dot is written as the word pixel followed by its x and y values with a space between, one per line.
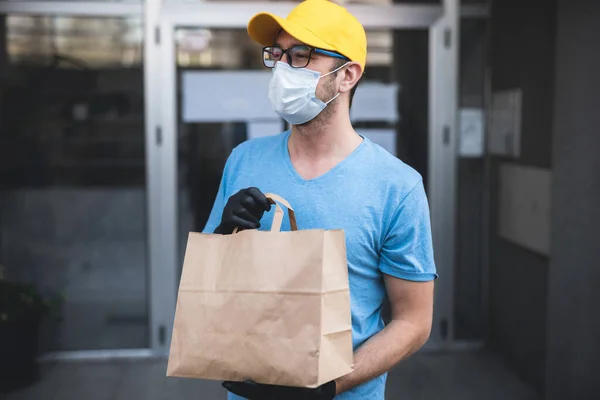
pixel 327 93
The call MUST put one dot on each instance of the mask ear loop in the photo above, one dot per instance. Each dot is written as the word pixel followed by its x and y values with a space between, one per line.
pixel 333 98
pixel 335 70
pixel 331 72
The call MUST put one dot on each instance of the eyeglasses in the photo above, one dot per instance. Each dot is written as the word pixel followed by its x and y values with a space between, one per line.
pixel 297 56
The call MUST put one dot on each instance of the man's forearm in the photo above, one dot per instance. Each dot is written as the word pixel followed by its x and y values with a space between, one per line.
pixel 398 340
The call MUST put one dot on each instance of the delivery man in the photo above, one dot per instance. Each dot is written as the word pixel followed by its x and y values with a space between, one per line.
pixel 335 179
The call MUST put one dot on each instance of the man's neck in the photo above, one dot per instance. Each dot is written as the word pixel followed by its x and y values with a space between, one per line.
pixel 334 139
pixel 317 147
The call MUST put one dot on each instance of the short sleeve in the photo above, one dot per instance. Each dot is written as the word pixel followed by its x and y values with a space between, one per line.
pixel 407 250
pixel 214 219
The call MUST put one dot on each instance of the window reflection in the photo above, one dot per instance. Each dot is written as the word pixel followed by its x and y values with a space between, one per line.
pixel 101 42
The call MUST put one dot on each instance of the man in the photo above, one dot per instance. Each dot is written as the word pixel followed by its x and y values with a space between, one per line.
pixel 335 179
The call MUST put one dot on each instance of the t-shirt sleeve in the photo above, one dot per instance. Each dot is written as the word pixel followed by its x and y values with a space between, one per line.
pixel 214 219
pixel 407 250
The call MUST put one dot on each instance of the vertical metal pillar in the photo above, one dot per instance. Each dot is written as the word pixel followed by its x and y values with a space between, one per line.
pixel 161 240
pixel 443 125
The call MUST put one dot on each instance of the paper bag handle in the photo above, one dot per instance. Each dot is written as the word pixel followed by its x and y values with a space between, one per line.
pixel 278 218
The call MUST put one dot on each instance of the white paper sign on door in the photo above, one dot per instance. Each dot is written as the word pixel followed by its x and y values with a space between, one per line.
pixel 226 96
pixel 471 132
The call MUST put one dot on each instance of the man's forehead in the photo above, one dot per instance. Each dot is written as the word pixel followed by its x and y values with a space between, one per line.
pixel 284 39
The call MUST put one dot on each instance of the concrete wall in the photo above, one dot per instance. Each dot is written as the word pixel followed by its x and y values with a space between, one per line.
pixel 522 56
pixel 543 309
pixel 573 323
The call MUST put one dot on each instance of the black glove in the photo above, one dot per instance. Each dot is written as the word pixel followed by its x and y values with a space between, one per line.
pixel 243 210
pixel 257 391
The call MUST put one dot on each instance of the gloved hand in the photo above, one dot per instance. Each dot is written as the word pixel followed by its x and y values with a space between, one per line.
pixel 256 391
pixel 243 210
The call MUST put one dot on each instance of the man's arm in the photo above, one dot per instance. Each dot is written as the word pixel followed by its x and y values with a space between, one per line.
pixel 412 313
pixel 408 267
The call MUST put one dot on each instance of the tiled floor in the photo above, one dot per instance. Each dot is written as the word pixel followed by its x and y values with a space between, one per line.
pixel 427 376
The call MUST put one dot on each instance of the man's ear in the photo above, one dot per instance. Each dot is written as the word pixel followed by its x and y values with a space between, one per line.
pixel 352 75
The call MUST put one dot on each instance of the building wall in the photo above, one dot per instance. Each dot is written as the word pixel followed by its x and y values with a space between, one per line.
pixel 573 326
pixel 522 56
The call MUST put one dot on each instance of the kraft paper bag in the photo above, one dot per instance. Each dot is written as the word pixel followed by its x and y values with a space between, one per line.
pixel 272 307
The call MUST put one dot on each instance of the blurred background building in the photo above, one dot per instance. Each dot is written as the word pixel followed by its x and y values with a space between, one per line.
pixel 116 118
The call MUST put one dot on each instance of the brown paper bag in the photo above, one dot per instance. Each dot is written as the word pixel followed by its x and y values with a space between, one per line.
pixel 273 307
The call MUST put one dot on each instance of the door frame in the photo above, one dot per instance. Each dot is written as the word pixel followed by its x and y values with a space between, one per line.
pixel 442 21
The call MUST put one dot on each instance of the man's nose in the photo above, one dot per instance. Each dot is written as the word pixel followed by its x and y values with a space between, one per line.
pixel 284 58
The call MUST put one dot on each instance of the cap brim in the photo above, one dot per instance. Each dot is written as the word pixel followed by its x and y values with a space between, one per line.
pixel 264 28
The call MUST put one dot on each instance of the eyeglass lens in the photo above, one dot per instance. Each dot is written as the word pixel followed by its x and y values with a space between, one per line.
pixel 297 56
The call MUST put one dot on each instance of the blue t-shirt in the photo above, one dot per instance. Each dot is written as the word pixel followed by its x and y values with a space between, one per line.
pixel 378 201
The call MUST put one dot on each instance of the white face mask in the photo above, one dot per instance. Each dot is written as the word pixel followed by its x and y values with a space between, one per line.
pixel 292 93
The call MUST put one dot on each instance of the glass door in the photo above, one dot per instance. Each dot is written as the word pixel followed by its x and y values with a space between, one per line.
pixel 221 102
pixel 73 190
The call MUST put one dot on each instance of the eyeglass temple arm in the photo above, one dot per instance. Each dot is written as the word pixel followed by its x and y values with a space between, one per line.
pixel 330 53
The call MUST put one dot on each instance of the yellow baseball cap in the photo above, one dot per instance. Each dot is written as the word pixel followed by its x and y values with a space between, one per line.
pixel 317 23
